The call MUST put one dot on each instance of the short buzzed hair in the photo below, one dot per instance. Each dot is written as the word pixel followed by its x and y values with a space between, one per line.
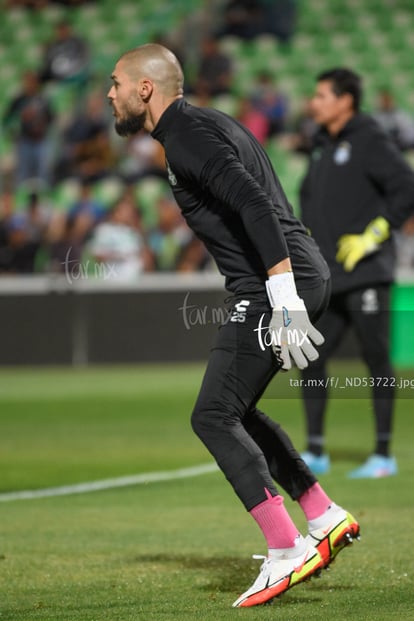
pixel 157 63
pixel 344 81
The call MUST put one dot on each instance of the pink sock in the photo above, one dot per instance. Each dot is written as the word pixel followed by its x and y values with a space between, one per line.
pixel 314 502
pixel 275 522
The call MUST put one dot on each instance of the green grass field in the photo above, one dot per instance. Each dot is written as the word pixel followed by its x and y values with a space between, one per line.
pixel 178 550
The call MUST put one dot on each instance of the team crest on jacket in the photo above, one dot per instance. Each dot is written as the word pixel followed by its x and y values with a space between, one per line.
pixel 171 177
pixel 342 154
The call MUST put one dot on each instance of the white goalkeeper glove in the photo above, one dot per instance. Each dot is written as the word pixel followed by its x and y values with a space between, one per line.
pixel 290 327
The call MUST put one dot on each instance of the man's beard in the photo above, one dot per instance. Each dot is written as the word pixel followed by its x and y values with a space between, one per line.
pixel 130 125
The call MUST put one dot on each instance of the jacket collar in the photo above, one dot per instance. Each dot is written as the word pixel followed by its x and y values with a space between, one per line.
pixel 166 120
pixel 359 119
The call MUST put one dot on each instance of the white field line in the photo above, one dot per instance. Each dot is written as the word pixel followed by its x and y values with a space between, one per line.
pixel 104 484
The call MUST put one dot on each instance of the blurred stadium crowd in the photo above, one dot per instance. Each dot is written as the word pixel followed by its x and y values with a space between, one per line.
pixel 72 190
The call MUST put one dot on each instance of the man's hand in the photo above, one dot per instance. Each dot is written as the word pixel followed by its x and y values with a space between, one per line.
pixel 353 248
pixel 291 330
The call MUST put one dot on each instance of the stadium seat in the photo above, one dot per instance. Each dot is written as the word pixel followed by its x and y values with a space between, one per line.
pixel 108 190
pixel 148 191
pixel 65 194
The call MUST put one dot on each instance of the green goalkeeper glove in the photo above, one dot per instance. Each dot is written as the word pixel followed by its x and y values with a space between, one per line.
pixel 353 248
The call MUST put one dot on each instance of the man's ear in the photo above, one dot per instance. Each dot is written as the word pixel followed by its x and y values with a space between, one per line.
pixel 347 101
pixel 145 89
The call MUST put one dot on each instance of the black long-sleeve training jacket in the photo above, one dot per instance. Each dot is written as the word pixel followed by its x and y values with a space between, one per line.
pixel 231 198
pixel 353 178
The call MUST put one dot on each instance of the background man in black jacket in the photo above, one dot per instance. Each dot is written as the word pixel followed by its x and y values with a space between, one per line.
pixel 356 190
pixel 230 196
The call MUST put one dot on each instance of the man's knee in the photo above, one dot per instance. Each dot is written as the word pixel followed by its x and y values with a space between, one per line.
pixel 378 361
pixel 204 420
pixel 198 421
pixel 209 419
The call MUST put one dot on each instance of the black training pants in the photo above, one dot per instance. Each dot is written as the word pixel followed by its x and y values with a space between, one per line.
pixel 367 310
pixel 249 447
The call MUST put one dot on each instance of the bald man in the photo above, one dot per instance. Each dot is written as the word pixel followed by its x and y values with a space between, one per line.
pixel 230 196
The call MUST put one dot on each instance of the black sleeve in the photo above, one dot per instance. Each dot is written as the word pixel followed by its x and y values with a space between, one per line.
pixel 214 165
pixel 393 176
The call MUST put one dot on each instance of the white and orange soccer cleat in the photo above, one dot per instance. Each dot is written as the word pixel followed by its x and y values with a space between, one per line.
pixel 278 575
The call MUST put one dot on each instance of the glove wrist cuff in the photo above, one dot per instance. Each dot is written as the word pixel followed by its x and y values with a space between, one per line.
pixel 379 229
pixel 281 288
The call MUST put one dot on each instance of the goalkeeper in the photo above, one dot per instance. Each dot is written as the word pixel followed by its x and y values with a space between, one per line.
pixel 230 196
pixel 356 190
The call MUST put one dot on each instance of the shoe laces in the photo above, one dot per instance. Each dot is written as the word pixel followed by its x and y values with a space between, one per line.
pixel 265 568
